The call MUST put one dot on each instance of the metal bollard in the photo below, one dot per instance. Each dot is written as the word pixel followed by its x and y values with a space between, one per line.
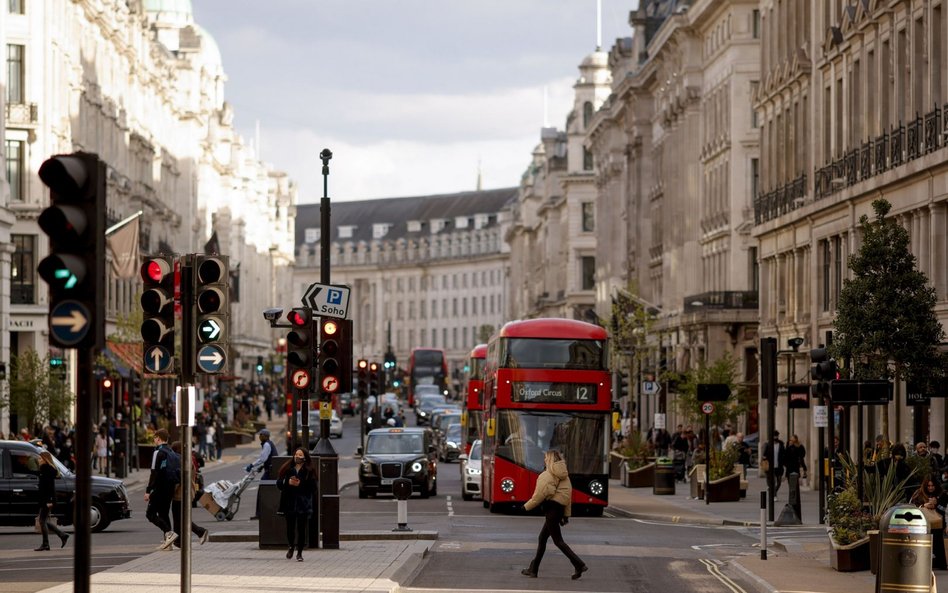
pixel 793 481
pixel 763 524
pixel 905 563
pixel 401 488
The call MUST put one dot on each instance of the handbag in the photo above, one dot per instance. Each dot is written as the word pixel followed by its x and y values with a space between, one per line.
pixel 934 518
pixel 765 465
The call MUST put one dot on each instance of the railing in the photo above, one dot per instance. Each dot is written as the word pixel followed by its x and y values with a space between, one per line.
pixel 722 299
pixel 780 201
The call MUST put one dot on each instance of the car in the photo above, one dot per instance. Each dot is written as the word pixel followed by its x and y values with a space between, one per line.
pixel 335 428
pixel 349 404
pixel 440 420
pixel 426 405
pixel 471 472
pixel 449 445
pixel 422 390
pixel 377 418
pixel 392 453
pixel 19 490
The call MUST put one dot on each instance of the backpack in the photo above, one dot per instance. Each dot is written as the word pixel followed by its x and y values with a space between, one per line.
pixel 171 467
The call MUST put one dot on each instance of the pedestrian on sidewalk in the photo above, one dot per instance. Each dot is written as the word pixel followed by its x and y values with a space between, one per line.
pixel 264 461
pixel 165 463
pixel 297 483
pixel 47 500
pixel 775 460
pixel 196 529
pixel 795 457
pixel 554 493
pixel 932 499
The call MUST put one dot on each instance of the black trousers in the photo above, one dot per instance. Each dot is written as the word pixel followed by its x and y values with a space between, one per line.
pixel 158 506
pixel 296 530
pixel 551 528
pixel 46 526
pixel 176 520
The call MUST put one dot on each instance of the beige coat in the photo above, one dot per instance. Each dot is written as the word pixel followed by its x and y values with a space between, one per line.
pixel 553 484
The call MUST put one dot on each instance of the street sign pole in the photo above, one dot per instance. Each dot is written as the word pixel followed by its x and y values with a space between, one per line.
pixel 187 378
pixel 328 459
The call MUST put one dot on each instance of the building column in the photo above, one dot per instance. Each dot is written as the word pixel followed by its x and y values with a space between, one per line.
pixel 937 232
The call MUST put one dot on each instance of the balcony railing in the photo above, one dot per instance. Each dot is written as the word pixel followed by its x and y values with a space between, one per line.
pixel 722 299
pixel 779 201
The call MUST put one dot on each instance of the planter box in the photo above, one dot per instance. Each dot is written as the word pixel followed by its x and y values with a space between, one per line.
pixel 726 489
pixel 258 426
pixel 233 438
pixel 850 558
pixel 615 465
pixel 144 456
pixel 642 477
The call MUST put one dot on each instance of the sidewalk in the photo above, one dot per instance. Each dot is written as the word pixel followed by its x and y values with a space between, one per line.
pixel 798 556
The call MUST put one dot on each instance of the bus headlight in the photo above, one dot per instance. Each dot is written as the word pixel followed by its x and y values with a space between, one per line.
pixel 416 467
pixel 595 487
pixel 507 485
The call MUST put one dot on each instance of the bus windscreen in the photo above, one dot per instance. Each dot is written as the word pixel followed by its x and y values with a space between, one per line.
pixel 523 437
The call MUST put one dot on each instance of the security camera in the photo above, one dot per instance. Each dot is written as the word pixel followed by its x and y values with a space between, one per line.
pixel 272 314
pixel 795 343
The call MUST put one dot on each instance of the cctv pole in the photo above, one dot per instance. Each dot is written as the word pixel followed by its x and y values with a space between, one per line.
pixel 328 458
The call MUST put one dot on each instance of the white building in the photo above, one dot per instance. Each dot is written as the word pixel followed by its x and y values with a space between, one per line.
pixel 141 84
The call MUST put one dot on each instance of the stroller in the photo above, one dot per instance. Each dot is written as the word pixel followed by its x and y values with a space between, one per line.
pixel 227 495
pixel 678 458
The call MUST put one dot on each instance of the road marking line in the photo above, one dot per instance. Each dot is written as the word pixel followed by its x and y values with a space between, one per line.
pixel 450 505
pixel 716 572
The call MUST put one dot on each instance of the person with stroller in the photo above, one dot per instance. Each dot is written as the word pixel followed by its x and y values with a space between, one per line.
pixel 297 483
pixel 267 452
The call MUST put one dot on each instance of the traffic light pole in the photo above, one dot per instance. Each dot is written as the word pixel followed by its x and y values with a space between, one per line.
pixel 768 388
pixel 184 402
pixel 328 458
pixel 85 386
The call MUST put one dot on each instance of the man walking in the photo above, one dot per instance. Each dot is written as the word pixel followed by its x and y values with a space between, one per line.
pixel 165 465
pixel 775 458
pixel 267 451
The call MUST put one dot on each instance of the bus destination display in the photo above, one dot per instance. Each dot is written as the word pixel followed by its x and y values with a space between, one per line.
pixel 553 393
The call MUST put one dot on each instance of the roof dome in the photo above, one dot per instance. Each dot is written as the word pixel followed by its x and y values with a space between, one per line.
pixel 176 11
pixel 209 47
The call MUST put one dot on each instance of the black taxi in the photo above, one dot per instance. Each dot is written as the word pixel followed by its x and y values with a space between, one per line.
pixel 392 453
pixel 19 490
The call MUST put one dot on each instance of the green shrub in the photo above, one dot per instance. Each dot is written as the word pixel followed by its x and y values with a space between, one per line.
pixel 637 449
pixel 845 515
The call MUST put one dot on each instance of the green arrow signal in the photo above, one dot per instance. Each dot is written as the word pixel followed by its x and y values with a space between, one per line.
pixel 65 273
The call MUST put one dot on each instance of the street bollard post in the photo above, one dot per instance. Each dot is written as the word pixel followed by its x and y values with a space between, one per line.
pixel 763 525
pixel 401 488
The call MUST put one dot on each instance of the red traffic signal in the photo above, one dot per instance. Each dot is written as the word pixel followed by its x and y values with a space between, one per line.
pixel 301 317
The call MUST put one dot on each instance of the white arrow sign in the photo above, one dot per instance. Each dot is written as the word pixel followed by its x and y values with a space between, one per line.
pixel 211 328
pixel 215 358
pixel 75 321
pixel 327 300
pixel 156 357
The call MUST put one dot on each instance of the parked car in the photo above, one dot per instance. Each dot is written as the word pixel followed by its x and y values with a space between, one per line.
pixel 392 453
pixel 471 472
pixel 19 490
pixel 450 445
pixel 335 428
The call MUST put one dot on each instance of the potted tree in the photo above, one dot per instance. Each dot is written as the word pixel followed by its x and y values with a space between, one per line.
pixel 848 527
pixel 638 471
pixel 723 484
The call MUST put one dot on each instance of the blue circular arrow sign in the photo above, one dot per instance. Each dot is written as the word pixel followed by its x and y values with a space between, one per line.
pixel 211 358
pixel 157 359
pixel 69 322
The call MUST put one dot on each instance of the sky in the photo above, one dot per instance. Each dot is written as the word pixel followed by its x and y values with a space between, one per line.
pixel 411 96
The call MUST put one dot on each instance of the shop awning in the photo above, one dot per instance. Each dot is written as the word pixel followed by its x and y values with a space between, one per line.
pixel 126 356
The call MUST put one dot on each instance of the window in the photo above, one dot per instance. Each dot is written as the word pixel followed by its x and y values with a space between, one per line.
pixel 755 24
pixel 587 160
pixel 345 231
pixel 587 113
pixel 15 73
pixel 464 306
pixel 379 230
pixel 754 269
pixel 589 272
pixel 16 7
pixel 23 464
pixel 454 306
pixel 434 308
pixel 755 85
pixel 22 270
pixel 424 313
pixel 837 268
pixel 15 168
pixel 825 273
pixel 755 178
pixel 454 337
pixel 589 217
pixel 311 235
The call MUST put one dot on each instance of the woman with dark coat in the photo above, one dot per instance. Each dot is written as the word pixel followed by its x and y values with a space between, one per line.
pixel 47 499
pixel 297 482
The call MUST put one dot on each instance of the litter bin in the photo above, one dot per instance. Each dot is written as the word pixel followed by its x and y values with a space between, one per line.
pixel 906 558
pixel 664 482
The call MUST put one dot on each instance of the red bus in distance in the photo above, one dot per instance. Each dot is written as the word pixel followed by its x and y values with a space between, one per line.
pixel 547 385
pixel 426 366
pixel 472 418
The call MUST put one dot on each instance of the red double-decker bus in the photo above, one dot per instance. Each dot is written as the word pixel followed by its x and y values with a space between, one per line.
pixel 426 366
pixel 472 418
pixel 547 386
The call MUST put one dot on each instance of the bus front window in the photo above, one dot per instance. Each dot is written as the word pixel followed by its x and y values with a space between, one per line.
pixel 523 437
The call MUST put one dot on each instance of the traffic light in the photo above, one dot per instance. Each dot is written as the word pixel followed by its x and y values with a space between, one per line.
pixel 75 266
pixel 389 360
pixel 259 366
pixel 135 388
pixel 57 368
pixel 824 369
pixel 332 371
pixel 374 381
pixel 158 310
pixel 362 378
pixel 623 390
pixel 299 347
pixel 211 292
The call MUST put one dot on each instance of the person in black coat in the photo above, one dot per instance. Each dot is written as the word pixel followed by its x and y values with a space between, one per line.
pixel 775 454
pixel 47 499
pixel 297 483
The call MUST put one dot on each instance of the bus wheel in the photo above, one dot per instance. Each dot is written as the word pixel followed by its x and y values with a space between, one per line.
pixel 494 508
pixel 595 511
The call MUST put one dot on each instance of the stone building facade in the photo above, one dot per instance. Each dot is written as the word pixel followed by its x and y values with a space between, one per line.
pixel 677 151
pixel 141 84
pixel 852 107
pixel 430 271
